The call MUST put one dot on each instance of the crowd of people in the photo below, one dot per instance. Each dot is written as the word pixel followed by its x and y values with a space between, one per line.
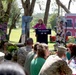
pixel 36 59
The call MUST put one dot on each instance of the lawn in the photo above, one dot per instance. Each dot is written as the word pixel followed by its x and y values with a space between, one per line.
pixel 15 36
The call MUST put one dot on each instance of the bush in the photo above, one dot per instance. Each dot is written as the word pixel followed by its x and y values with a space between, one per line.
pixel 12 48
pixel 71 39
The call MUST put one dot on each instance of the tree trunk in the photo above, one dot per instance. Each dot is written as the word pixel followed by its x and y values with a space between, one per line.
pixel 11 27
pixel 28 10
pixel 32 7
pixel 1 10
pixel 63 6
pixel 26 7
pixel 8 10
pixel 4 16
pixel 1 6
pixel 58 10
pixel 13 23
pixel 47 12
pixel 69 4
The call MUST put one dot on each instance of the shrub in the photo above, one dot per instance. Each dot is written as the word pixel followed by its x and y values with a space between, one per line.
pixel 71 39
pixel 12 48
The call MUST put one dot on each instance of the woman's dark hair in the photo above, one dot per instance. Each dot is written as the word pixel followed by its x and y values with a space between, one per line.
pixel 29 41
pixel 73 50
pixel 35 46
pixel 8 56
pixel 70 45
pixel 41 51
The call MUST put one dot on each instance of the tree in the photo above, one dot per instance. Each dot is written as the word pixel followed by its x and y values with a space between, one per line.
pixel 28 6
pixel 63 6
pixel 14 16
pixel 53 20
pixel 4 16
pixel 69 4
pixel 47 11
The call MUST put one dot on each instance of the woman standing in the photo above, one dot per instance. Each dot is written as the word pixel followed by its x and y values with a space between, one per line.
pixel 38 61
pixel 40 25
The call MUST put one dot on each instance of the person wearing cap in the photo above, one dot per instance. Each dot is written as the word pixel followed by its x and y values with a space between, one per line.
pixel 55 65
pixel 23 51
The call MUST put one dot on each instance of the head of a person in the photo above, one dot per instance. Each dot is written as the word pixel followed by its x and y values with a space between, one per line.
pixel 40 21
pixel 9 68
pixel 3 44
pixel 69 47
pixel 61 52
pixel 61 22
pixel 73 50
pixel 8 56
pixel 36 47
pixel 29 41
pixel 46 49
pixel 41 51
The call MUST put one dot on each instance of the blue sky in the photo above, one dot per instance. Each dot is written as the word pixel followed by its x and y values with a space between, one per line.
pixel 37 9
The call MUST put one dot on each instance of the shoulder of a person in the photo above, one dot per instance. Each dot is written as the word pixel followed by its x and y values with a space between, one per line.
pixel 41 59
pixel 53 57
pixel 30 53
pixel 21 48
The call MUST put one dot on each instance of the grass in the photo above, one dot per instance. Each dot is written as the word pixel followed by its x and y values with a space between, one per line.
pixel 16 33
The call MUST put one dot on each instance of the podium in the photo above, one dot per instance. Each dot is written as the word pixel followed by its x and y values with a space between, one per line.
pixel 42 35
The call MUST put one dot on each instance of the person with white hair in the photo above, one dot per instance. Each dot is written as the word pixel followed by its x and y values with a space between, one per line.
pixel 55 65
pixel 10 68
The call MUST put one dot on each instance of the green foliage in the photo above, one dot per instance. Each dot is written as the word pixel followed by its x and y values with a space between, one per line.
pixel 4 13
pixel 5 3
pixel 12 48
pixel 15 11
pixel 53 20
pixel 71 39
pixel 33 22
